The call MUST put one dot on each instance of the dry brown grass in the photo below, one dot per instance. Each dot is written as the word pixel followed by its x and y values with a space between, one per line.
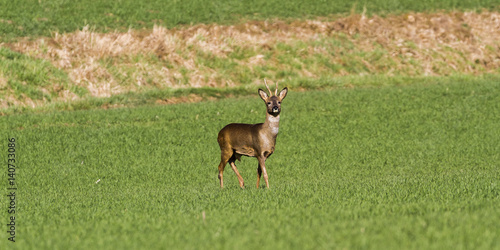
pixel 414 44
pixel 3 81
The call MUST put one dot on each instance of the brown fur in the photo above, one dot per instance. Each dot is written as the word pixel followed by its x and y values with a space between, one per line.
pixel 254 140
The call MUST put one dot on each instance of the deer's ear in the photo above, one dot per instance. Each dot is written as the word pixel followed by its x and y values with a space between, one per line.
pixel 283 93
pixel 263 94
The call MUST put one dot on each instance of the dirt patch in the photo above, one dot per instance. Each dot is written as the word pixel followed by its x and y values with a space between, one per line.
pixel 3 81
pixel 183 99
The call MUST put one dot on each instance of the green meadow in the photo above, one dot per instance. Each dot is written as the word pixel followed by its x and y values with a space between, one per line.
pixel 382 155
pixel 390 167
pixel 28 18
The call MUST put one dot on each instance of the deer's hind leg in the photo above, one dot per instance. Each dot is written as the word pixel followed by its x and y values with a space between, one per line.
pixel 259 174
pixel 233 166
pixel 224 158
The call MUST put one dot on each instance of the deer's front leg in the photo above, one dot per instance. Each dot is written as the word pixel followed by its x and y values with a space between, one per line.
pixel 240 179
pixel 259 174
pixel 262 166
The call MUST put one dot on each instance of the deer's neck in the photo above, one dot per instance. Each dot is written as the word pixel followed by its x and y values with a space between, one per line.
pixel 272 124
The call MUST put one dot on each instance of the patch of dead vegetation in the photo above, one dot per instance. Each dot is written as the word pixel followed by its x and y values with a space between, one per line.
pixel 182 99
pixel 3 81
pixel 411 44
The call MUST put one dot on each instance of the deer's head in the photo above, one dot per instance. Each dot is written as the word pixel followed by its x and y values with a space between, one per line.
pixel 273 101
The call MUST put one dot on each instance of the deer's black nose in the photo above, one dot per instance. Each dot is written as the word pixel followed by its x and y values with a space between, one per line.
pixel 275 109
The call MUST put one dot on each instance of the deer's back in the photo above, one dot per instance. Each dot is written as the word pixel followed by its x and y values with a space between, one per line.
pixel 240 137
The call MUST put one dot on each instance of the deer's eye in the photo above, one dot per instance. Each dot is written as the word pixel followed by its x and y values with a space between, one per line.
pixel 269 103
pixel 279 102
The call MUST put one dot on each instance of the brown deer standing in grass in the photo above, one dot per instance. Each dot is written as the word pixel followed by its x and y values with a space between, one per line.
pixel 255 140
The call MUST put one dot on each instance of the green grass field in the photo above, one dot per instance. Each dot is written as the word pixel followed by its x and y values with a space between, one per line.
pixel 393 147
pixel 394 167
pixel 40 18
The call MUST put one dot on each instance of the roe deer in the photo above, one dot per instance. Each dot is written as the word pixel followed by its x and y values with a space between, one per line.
pixel 255 140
